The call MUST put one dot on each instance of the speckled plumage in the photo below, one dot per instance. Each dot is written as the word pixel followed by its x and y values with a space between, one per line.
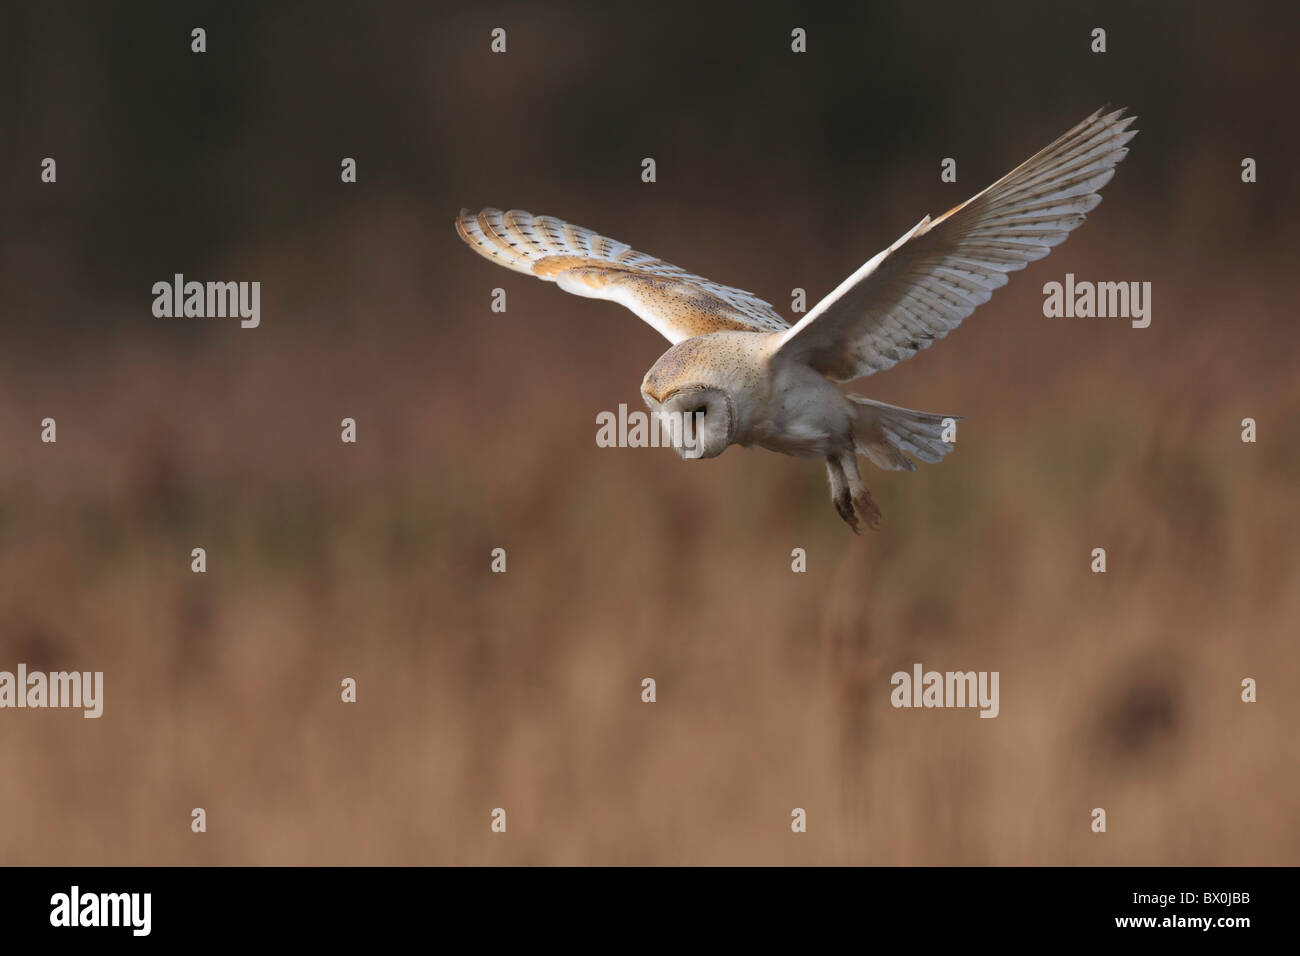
pixel 753 379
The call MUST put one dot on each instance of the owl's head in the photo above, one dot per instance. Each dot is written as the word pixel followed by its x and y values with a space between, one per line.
pixel 697 419
pixel 692 399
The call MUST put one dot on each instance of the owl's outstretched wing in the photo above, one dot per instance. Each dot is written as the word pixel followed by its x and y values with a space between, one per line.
pixel 921 287
pixel 676 303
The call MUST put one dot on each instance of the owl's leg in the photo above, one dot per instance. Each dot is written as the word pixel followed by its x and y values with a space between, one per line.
pixel 865 505
pixel 841 497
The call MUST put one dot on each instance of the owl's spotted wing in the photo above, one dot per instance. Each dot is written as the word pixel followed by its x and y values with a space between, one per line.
pixel 678 304
pixel 926 283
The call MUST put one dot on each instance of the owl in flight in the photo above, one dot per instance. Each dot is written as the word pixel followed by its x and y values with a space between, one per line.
pixel 748 377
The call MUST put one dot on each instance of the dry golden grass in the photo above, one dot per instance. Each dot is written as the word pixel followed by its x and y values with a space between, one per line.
pixel 522 690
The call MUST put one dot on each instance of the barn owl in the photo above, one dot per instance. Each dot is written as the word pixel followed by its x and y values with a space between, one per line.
pixel 751 378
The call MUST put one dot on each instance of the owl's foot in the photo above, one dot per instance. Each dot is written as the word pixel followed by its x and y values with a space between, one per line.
pixel 867 508
pixel 849 494
pixel 844 505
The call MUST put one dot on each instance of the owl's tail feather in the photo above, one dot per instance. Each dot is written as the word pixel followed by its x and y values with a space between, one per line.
pixel 883 433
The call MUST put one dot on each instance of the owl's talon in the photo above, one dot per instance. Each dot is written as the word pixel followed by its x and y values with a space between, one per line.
pixel 844 505
pixel 868 509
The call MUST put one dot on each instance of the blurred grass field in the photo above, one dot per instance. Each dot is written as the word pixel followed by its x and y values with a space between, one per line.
pixel 521 691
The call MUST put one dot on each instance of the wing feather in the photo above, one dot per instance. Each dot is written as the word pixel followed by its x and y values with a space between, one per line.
pixel 675 302
pixel 923 286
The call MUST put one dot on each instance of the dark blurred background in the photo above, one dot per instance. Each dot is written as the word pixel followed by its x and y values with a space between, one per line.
pixel 476 431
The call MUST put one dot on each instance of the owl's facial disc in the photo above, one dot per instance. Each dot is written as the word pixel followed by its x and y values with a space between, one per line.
pixel 699 421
